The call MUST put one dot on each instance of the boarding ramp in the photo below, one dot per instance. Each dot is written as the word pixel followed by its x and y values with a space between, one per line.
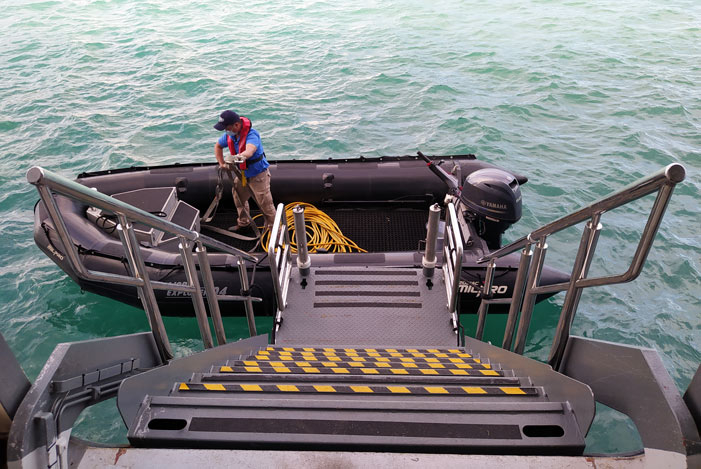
pixel 366 305
pixel 363 358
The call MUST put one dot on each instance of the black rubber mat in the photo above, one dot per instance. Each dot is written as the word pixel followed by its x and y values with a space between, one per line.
pixel 382 230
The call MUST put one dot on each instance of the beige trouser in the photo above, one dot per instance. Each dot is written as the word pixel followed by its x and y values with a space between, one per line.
pixel 257 187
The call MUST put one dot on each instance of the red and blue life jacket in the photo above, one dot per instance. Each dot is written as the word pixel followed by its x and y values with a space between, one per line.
pixel 243 134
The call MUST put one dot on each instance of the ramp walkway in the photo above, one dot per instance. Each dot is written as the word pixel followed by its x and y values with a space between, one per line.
pixel 365 306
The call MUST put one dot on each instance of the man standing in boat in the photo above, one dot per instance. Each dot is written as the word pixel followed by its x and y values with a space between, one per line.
pixel 243 140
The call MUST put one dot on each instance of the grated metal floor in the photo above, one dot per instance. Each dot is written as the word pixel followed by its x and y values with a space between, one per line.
pixel 366 306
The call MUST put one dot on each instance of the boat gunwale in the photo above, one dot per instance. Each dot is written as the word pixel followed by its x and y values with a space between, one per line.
pixel 358 159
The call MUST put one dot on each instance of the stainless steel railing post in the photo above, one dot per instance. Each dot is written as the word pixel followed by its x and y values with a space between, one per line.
pixel 65 237
pixel 650 231
pixel 197 300
pixel 148 298
pixel 212 302
pixel 517 296
pixel 582 262
pixel 452 262
pixel 529 297
pixel 280 257
pixel 243 275
pixel 486 295
pixel 303 260
pixel 429 260
pixel 644 245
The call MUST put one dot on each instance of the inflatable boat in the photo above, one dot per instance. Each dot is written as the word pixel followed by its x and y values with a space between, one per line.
pixel 381 206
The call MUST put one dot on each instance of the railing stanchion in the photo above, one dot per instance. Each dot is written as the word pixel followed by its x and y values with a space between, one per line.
pixel 582 262
pixel 517 296
pixel 429 260
pixel 279 256
pixel 280 262
pixel 214 312
pixel 303 260
pixel 452 262
pixel 61 229
pixel 245 287
pixel 486 296
pixel 196 295
pixel 529 296
pixel 148 298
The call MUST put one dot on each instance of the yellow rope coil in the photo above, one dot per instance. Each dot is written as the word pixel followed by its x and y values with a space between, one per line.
pixel 322 231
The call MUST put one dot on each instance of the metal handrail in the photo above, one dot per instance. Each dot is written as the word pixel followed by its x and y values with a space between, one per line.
pixel 527 285
pixel 671 174
pixel 47 182
pixel 280 256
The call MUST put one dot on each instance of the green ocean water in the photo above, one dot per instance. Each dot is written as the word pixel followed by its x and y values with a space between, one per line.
pixel 582 97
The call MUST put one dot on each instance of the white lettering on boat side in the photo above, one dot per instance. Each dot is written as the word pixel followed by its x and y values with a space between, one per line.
pixel 55 252
pixel 473 288
pixel 176 293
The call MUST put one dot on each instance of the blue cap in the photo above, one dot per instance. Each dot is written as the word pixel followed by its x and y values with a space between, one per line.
pixel 226 118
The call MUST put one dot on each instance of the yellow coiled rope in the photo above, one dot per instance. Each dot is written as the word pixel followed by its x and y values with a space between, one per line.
pixel 322 232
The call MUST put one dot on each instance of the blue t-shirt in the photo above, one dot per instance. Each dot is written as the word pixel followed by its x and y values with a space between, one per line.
pixel 254 139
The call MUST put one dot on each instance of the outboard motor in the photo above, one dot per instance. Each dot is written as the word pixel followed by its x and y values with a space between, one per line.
pixel 493 199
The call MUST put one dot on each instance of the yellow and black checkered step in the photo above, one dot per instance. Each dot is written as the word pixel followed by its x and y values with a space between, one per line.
pixel 404 369
pixel 309 356
pixel 371 352
pixel 363 389
pixel 379 350
pixel 327 363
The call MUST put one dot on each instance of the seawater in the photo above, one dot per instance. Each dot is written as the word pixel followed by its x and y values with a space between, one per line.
pixel 582 97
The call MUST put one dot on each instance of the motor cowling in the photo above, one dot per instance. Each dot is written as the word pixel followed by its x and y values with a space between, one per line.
pixel 493 198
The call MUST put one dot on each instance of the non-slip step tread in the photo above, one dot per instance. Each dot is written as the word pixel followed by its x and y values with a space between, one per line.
pixel 359 362
pixel 406 369
pixel 358 378
pixel 411 350
pixel 360 389
pixel 367 272
pixel 354 356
